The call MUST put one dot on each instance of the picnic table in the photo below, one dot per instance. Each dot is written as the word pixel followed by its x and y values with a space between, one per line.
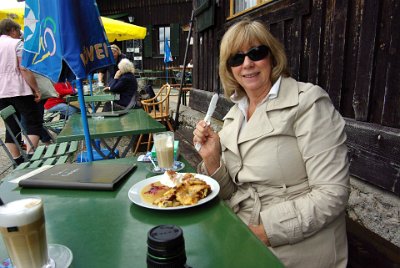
pixel 134 123
pixel 105 229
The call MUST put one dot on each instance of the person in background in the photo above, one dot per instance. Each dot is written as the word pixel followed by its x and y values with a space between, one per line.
pixel 18 87
pixel 58 104
pixel 107 74
pixel 190 64
pixel 280 158
pixel 124 83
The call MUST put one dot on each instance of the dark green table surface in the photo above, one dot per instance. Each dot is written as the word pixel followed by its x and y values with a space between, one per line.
pixel 104 229
pixel 135 122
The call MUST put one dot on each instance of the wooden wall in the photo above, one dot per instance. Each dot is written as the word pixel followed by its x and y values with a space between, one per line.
pixel 155 12
pixel 349 48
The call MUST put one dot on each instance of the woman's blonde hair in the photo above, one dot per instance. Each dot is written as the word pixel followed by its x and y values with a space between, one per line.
pixel 126 66
pixel 246 33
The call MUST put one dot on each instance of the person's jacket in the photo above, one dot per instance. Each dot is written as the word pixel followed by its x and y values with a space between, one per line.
pixel 63 89
pixel 126 86
pixel 288 170
pixel 12 83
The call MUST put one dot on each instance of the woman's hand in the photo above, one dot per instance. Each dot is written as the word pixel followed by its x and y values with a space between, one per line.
pixel 210 150
pixel 117 74
pixel 259 231
pixel 37 95
pixel 106 89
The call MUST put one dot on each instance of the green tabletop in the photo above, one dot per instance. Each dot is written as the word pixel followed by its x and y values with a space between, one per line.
pixel 104 229
pixel 135 122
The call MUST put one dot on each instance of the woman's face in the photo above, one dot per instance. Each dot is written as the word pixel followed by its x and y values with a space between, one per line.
pixel 253 76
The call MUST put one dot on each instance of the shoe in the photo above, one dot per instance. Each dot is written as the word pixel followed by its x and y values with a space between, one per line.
pixel 19 160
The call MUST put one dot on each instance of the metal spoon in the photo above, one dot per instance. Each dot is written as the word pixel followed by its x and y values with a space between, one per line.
pixel 156 168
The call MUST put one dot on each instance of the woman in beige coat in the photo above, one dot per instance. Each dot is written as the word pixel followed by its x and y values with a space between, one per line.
pixel 280 158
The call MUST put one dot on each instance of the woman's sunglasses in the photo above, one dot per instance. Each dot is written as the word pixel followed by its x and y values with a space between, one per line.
pixel 255 54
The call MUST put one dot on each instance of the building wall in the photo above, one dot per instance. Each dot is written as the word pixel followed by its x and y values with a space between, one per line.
pixel 349 48
pixel 152 14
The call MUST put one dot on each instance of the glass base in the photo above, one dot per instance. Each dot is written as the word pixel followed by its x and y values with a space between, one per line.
pixel 60 255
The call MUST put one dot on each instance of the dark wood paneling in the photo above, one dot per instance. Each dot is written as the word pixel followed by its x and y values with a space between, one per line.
pixel 349 48
pixel 337 51
pixel 374 153
pixel 391 108
pixel 365 60
pixel 383 33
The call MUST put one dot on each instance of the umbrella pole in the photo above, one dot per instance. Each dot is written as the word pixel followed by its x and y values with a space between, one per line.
pixel 85 125
pixel 166 71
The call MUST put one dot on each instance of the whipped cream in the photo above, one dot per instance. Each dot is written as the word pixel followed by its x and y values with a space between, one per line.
pixel 171 182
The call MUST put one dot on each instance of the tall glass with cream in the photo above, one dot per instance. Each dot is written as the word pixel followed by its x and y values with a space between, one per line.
pixel 164 145
pixel 22 225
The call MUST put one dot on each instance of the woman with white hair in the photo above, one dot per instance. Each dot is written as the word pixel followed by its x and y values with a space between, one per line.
pixel 124 83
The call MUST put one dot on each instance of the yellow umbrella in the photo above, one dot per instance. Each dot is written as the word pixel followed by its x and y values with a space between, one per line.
pixel 120 31
pixel 115 29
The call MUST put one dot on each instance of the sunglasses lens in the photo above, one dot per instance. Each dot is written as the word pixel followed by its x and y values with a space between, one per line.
pixel 236 60
pixel 258 53
pixel 255 54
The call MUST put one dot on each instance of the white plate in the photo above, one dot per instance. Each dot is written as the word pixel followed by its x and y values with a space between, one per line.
pixel 134 192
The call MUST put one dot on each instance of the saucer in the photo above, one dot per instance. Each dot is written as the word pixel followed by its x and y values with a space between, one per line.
pixel 177 167
pixel 60 254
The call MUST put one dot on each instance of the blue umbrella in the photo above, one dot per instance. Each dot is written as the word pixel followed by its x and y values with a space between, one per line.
pixel 65 39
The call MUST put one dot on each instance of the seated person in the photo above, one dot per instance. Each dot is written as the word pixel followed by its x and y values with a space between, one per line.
pixel 124 84
pixel 59 104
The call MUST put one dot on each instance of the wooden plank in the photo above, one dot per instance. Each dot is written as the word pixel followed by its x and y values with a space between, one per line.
pixel 391 108
pixel 374 153
pixel 294 35
pixel 365 60
pixel 337 53
pixel 355 16
pixel 200 99
pixel 381 62
pixel 367 249
pixel 314 41
pixel 282 11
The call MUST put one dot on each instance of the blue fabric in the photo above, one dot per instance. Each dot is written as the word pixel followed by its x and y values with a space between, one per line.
pixel 167 52
pixel 65 39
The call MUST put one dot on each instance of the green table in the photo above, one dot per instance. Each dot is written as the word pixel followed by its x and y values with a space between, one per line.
pixel 104 229
pixel 136 122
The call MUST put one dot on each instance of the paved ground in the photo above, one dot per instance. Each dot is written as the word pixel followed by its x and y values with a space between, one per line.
pixel 186 147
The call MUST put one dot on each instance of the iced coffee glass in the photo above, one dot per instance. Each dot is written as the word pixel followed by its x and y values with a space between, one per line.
pixel 22 226
pixel 164 145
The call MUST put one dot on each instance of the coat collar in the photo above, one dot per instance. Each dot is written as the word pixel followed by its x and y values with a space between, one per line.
pixel 288 97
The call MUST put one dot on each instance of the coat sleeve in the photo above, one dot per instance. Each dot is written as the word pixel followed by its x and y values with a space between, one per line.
pixel 119 85
pixel 319 130
pixel 221 175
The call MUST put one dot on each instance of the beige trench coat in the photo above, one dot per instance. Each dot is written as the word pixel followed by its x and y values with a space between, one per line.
pixel 288 169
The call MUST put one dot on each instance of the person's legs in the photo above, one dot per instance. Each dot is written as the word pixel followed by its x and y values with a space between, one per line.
pixel 29 110
pixel 9 142
pixel 107 107
pixel 44 135
pixel 64 109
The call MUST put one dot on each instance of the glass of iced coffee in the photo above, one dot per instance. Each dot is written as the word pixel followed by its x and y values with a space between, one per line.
pixel 164 145
pixel 22 226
